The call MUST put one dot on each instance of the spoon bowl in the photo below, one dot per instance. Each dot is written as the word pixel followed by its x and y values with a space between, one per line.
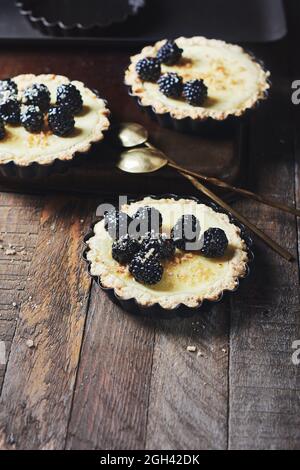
pixel 142 160
pixel 132 134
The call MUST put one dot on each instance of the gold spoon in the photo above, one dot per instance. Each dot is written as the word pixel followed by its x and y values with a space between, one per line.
pixel 132 134
pixel 143 160
pixel 149 159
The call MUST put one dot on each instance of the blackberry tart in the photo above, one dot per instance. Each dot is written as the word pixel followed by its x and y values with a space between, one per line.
pixel 200 80
pixel 151 274
pixel 47 120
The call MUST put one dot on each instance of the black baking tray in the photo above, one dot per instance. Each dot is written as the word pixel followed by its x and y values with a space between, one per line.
pixel 231 20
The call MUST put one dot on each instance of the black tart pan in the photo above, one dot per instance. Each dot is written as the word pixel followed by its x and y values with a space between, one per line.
pixel 208 126
pixel 79 18
pixel 37 170
pixel 181 310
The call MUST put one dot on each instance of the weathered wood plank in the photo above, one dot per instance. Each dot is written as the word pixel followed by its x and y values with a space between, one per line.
pixel 263 382
pixel 188 400
pixel 38 386
pixel 19 224
pixel 112 392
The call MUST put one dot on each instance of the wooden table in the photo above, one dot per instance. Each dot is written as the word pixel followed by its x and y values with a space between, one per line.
pixel 98 378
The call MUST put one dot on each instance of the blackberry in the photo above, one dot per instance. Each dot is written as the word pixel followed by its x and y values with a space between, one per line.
pixel 146 268
pixel 215 243
pixel 116 223
pixel 167 249
pixel 195 92
pixel 169 53
pixel 60 121
pixel 124 249
pixel 37 95
pixel 8 85
pixel 69 97
pixel 148 69
pixel 32 118
pixel 2 130
pixel 170 84
pixel 160 246
pixel 10 110
pixel 150 219
pixel 186 230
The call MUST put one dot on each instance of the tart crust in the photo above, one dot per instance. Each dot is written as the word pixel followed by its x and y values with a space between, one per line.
pixel 189 278
pixel 219 75
pixel 23 148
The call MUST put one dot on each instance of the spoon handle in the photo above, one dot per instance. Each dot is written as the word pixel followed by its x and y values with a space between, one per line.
pixel 244 192
pixel 271 243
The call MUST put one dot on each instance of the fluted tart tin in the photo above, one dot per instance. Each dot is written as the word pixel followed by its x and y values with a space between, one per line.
pixel 132 303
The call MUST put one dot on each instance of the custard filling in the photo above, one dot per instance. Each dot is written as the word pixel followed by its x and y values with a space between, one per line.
pixel 231 77
pixel 235 80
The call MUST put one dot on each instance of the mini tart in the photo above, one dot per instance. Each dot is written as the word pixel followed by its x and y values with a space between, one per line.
pixel 189 278
pixel 236 81
pixel 24 148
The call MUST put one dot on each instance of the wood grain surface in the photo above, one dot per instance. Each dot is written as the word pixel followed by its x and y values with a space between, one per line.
pixel 80 373
pixel 19 226
pixel 39 380
pixel 264 383
pixel 113 386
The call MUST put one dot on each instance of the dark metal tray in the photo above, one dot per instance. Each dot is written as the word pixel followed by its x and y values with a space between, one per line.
pixel 233 20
